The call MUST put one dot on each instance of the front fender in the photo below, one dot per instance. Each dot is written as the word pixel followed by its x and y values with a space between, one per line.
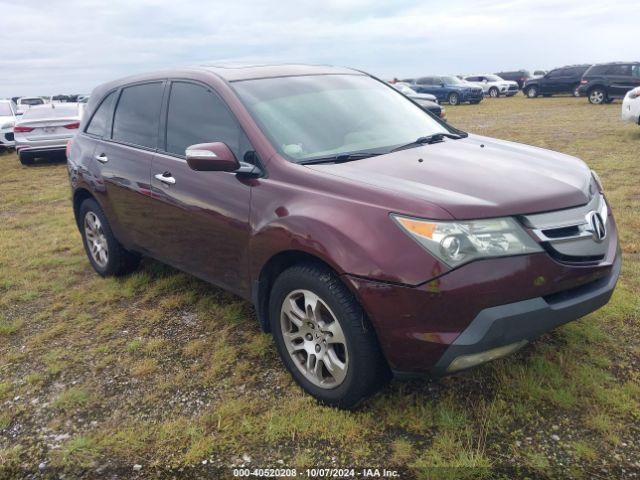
pixel 352 237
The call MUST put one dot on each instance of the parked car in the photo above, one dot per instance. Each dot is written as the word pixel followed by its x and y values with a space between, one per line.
pixel 557 81
pixel 631 106
pixel 25 103
pixel 518 76
pixel 449 88
pixel 45 130
pixel 427 101
pixel 370 236
pixel 605 82
pixel 493 85
pixel 7 121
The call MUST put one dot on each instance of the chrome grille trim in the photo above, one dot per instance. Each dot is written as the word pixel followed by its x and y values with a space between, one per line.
pixel 567 234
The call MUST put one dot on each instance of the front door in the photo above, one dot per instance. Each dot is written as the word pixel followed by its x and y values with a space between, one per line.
pixel 201 219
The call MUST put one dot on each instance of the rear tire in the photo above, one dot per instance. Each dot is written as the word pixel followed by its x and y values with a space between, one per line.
pixel 106 255
pixel 358 366
pixel 453 99
pixel 597 96
pixel 25 158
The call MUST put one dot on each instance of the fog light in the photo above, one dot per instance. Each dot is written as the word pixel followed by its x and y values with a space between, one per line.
pixel 468 361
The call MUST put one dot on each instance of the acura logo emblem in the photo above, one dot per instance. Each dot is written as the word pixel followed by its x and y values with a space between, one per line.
pixel 595 225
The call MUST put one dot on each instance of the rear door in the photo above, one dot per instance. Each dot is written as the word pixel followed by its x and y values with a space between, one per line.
pixel 201 219
pixel 125 159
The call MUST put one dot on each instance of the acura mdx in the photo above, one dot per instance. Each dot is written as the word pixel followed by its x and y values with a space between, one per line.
pixel 372 238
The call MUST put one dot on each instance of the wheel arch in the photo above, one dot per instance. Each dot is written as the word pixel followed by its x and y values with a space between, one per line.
pixel 80 195
pixel 273 267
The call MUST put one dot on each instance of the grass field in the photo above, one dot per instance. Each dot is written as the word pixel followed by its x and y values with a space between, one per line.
pixel 163 371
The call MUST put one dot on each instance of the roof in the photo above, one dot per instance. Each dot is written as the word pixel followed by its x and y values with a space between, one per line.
pixel 233 73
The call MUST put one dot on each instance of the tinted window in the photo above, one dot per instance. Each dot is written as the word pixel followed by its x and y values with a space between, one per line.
pixel 100 120
pixel 556 73
pixel 425 81
pixel 197 115
pixel 635 70
pixel 138 114
pixel 32 101
pixel 619 70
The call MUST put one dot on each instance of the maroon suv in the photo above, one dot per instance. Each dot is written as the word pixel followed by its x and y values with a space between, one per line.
pixel 371 237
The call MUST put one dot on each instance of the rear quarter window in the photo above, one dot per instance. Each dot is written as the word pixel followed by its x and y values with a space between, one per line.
pixel 100 120
pixel 137 115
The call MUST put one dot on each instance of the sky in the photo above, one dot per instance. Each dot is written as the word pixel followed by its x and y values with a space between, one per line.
pixel 54 46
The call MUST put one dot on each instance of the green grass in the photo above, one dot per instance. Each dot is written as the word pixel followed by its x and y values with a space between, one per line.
pixel 161 369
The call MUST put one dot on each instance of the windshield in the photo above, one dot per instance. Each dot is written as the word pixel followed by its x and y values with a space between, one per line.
pixel 316 116
pixel 5 110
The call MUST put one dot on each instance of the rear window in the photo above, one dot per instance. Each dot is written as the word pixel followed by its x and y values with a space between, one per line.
pixel 51 111
pixel 32 101
pixel 138 115
pixel 100 120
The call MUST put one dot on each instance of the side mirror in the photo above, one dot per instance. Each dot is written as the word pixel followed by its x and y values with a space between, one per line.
pixel 211 157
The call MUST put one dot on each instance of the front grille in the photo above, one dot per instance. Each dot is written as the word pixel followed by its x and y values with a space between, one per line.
pixel 513 87
pixel 567 235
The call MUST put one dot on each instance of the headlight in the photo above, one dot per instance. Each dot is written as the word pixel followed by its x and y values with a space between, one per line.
pixel 463 241
pixel 596 177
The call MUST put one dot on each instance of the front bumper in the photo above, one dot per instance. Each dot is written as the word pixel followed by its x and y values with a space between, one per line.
pixel 481 306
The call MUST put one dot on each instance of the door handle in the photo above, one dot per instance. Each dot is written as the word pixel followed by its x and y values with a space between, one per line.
pixel 102 158
pixel 165 178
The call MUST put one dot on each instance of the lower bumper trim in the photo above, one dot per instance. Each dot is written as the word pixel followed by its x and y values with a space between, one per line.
pixel 508 325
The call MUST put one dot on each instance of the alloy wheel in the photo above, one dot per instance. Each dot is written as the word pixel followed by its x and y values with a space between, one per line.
pixel 532 92
pixel 314 339
pixel 596 97
pixel 96 240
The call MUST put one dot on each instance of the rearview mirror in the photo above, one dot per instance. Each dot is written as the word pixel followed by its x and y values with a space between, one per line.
pixel 211 157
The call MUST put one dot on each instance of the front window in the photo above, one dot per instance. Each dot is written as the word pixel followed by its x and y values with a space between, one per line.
pixel 316 116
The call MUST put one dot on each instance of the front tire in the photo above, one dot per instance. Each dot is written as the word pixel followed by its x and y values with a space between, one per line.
pixel 494 92
pixel 454 99
pixel 323 337
pixel 597 96
pixel 531 92
pixel 106 255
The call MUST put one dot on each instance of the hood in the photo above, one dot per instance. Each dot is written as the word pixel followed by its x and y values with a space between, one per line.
pixel 475 177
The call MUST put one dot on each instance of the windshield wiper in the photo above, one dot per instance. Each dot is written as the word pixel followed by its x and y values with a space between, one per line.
pixel 429 139
pixel 340 158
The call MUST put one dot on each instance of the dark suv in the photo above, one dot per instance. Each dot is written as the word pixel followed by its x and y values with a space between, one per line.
pixel 520 76
pixel 370 236
pixel 605 82
pixel 559 80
